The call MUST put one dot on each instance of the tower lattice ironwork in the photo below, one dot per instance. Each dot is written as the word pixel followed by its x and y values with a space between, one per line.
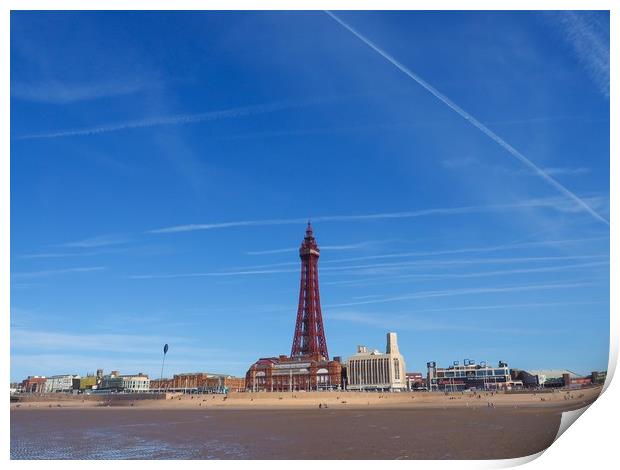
pixel 309 338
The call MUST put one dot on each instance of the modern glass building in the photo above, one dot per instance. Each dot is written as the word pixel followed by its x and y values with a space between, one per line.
pixel 469 375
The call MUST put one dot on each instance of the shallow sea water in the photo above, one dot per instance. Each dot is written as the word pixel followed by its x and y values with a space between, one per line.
pixel 146 440
pixel 121 433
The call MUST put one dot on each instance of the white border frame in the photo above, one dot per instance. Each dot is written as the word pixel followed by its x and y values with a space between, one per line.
pixel 592 442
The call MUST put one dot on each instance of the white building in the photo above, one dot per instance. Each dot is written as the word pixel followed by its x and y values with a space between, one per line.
pixel 59 383
pixel 372 370
pixel 136 383
pixel 548 378
pixel 127 383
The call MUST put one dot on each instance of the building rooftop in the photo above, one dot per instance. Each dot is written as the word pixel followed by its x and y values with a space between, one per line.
pixel 551 373
pixel 203 374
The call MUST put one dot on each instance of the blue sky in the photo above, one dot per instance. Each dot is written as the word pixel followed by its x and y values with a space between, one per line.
pixel 163 166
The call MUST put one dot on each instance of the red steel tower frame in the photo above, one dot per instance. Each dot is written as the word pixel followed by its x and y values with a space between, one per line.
pixel 309 338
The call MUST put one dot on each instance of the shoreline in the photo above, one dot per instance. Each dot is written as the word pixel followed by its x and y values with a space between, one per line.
pixel 560 399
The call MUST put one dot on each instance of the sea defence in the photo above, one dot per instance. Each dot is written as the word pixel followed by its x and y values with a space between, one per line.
pixel 66 399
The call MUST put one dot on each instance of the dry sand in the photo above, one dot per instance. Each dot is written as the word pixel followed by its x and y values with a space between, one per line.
pixel 336 400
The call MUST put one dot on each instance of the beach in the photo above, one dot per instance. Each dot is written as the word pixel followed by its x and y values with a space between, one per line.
pixel 292 426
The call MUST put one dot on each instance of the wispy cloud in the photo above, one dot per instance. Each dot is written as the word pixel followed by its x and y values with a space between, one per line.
pixel 476 123
pixel 462 291
pixel 21 318
pixel 459 163
pixel 567 171
pixel 272 252
pixel 87 342
pixel 213 274
pixel 391 127
pixel 391 268
pixel 70 254
pixel 370 296
pixel 509 306
pixel 557 171
pixel 62 363
pixel 357 269
pixel 482 249
pixel 110 343
pixel 176 119
pixel 44 352
pixel 408 322
pixel 558 204
pixel 386 268
pixel 539 119
pixel 588 35
pixel 61 92
pixel 95 242
pixel 461 261
pixel 53 272
pixel 351 246
pixel 453 251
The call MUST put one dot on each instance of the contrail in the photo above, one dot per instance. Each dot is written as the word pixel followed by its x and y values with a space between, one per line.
pixel 472 120
pixel 165 120
pixel 556 203
pixel 51 272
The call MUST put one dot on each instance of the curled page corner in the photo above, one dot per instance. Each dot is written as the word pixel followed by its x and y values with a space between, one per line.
pixel 568 418
pixel 518 461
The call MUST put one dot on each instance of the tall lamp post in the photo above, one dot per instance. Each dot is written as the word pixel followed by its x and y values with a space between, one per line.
pixel 161 375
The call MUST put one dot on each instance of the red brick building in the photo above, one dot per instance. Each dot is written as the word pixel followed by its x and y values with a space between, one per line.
pixel 283 373
pixel 200 382
pixel 33 384
pixel 415 380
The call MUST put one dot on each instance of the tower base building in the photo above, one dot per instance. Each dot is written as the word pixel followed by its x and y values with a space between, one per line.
pixel 284 374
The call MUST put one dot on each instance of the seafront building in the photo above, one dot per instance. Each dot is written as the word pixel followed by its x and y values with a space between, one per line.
pixel 598 377
pixel 369 369
pixel 415 381
pixel 199 382
pixel 552 378
pixel 470 375
pixel 33 384
pixel 308 367
pixel 59 383
pixel 136 383
pixel 85 383
pixel 281 374
pixel 125 383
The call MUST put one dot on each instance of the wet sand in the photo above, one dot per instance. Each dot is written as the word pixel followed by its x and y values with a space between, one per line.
pixel 443 430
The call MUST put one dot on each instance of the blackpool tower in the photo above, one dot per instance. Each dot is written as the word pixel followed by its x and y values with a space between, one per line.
pixel 309 338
